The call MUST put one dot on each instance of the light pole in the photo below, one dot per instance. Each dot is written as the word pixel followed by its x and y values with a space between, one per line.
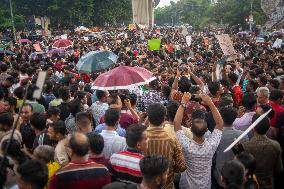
pixel 12 17
pixel 250 17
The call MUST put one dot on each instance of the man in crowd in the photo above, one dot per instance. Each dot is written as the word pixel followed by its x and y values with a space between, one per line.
pixel 136 141
pixel 229 134
pixel 26 130
pixel 160 143
pixel 57 132
pixel 198 151
pixel 99 107
pixel 267 154
pixel 113 142
pixel 80 172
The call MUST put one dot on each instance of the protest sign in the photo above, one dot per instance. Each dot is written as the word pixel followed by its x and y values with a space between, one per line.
pixel 37 47
pixel 227 46
pixel 154 44
pixel 277 44
pixel 259 40
pixel 188 40
pixel 63 36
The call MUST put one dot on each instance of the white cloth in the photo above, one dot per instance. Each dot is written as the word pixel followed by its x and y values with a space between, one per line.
pixel 98 110
pixel 113 143
pixel 198 158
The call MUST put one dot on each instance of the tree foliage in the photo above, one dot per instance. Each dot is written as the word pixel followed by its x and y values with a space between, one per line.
pixel 200 13
pixel 67 13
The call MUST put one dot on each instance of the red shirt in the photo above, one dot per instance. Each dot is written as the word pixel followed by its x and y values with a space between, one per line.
pixel 237 95
pixel 277 109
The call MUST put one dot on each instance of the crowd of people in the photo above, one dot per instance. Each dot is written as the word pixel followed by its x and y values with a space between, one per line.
pixel 170 133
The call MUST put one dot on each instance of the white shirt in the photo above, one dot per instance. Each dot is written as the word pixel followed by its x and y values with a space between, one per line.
pixel 98 110
pixel 113 143
pixel 198 158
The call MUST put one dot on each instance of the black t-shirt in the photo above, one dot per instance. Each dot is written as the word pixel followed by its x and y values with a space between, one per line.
pixel 28 135
pixel 64 110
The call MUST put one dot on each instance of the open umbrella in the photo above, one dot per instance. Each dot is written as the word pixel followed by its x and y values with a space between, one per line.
pixel 123 77
pixel 62 43
pixel 55 51
pixel 96 61
pixel 24 41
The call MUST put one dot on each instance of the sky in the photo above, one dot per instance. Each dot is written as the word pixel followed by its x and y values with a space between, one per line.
pixel 165 2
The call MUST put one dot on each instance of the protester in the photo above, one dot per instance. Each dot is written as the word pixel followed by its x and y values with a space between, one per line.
pixel 160 143
pixel 136 141
pixel 80 171
pixel 32 174
pixel 99 107
pixel 233 175
pixel 96 149
pixel 259 144
pixel 57 132
pixel 112 141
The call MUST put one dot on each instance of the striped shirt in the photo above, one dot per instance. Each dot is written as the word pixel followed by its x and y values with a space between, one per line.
pixel 125 166
pixel 160 143
pixel 86 174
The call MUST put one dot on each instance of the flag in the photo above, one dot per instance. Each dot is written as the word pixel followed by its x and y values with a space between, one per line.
pixel 154 44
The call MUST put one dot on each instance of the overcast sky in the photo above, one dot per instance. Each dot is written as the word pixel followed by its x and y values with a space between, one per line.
pixel 165 2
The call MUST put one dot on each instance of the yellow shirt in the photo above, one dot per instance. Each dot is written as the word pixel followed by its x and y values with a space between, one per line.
pixel 52 168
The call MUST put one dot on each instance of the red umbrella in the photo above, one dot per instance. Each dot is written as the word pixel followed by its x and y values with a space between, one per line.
pixel 62 43
pixel 123 77
pixel 24 41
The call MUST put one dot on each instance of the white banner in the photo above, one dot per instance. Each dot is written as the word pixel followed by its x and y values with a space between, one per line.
pixel 226 44
pixel 188 40
pixel 277 44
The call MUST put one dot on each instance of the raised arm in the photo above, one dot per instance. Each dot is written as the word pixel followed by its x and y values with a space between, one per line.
pixel 196 79
pixel 175 83
pixel 179 115
pixel 216 115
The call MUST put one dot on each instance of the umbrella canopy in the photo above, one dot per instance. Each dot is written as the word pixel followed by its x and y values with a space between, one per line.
pixel 96 61
pixel 123 77
pixel 62 43
pixel 24 41
pixel 56 51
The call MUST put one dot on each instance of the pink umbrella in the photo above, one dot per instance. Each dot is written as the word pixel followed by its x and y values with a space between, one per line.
pixel 123 77
pixel 62 43
pixel 24 41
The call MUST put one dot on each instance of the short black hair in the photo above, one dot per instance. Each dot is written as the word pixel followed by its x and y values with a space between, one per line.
pixel 64 93
pixel 53 110
pixel 34 172
pixel 275 95
pixel 248 160
pixel 19 92
pixel 59 127
pixel 184 84
pixel 263 126
pixel 166 90
pixel 233 173
pixel 134 134
pixel 213 87
pixel 153 166
pixel 198 114
pixel 38 121
pixel 96 143
pixel 133 99
pixel 3 67
pixel 156 113
pixel 29 105
pixel 81 115
pixel 263 79
pixel 11 100
pixel 100 94
pixel 249 101
pixel 229 114
pixel 274 83
pixel 80 148
pixel 80 94
pixel 233 77
pixel 7 119
pixel 172 108
pixel 111 116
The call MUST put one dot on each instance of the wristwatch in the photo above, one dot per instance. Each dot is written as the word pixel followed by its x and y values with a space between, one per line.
pixel 183 105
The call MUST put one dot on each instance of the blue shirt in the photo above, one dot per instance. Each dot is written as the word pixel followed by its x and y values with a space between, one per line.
pixel 120 131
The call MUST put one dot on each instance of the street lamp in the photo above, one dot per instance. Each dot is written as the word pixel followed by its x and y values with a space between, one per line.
pixel 12 17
